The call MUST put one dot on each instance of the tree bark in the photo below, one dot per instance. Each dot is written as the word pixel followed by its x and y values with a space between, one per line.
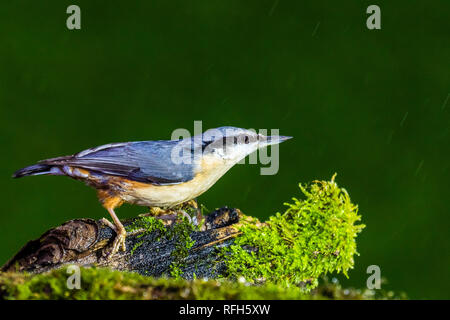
pixel 83 241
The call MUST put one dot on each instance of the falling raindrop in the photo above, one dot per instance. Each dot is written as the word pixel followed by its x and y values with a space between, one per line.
pixel 389 140
pixel 445 102
pixel 418 168
pixel 404 118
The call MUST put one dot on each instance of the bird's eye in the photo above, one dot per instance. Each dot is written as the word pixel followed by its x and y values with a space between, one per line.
pixel 224 143
pixel 235 140
pixel 246 140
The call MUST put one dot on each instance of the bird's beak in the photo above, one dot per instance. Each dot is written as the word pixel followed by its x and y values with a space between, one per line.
pixel 276 139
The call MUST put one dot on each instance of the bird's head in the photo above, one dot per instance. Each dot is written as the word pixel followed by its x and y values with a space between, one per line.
pixel 232 144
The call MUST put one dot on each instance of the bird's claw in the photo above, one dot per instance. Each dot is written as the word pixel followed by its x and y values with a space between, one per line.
pixel 118 243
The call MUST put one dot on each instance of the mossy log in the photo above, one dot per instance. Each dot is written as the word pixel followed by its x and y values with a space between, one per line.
pixel 281 258
pixel 83 242
pixel 315 236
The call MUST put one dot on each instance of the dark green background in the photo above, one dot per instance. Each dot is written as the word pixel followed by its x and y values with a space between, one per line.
pixel 370 105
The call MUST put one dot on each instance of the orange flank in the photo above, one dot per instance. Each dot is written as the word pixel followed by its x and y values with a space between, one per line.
pixel 108 200
pixel 127 183
pixel 83 172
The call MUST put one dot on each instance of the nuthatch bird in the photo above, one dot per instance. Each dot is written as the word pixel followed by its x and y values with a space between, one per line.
pixel 160 173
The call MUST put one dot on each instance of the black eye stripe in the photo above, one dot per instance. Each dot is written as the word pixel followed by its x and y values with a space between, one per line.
pixel 205 144
pixel 223 142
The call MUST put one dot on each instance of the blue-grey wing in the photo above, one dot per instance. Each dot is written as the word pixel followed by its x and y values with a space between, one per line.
pixel 146 161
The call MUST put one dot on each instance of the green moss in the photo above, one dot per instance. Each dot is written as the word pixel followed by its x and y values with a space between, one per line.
pixel 315 236
pixel 180 232
pixel 146 225
pixel 97 283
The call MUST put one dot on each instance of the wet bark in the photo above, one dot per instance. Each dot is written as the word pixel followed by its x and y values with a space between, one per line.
pixel 84 241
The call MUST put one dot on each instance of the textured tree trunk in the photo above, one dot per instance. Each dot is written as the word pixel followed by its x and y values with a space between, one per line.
pixel 84 241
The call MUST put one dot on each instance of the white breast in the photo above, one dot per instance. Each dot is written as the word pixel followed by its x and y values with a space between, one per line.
pixel 210 170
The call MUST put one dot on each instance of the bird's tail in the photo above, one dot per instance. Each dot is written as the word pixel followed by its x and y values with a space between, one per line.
pixel 34 170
